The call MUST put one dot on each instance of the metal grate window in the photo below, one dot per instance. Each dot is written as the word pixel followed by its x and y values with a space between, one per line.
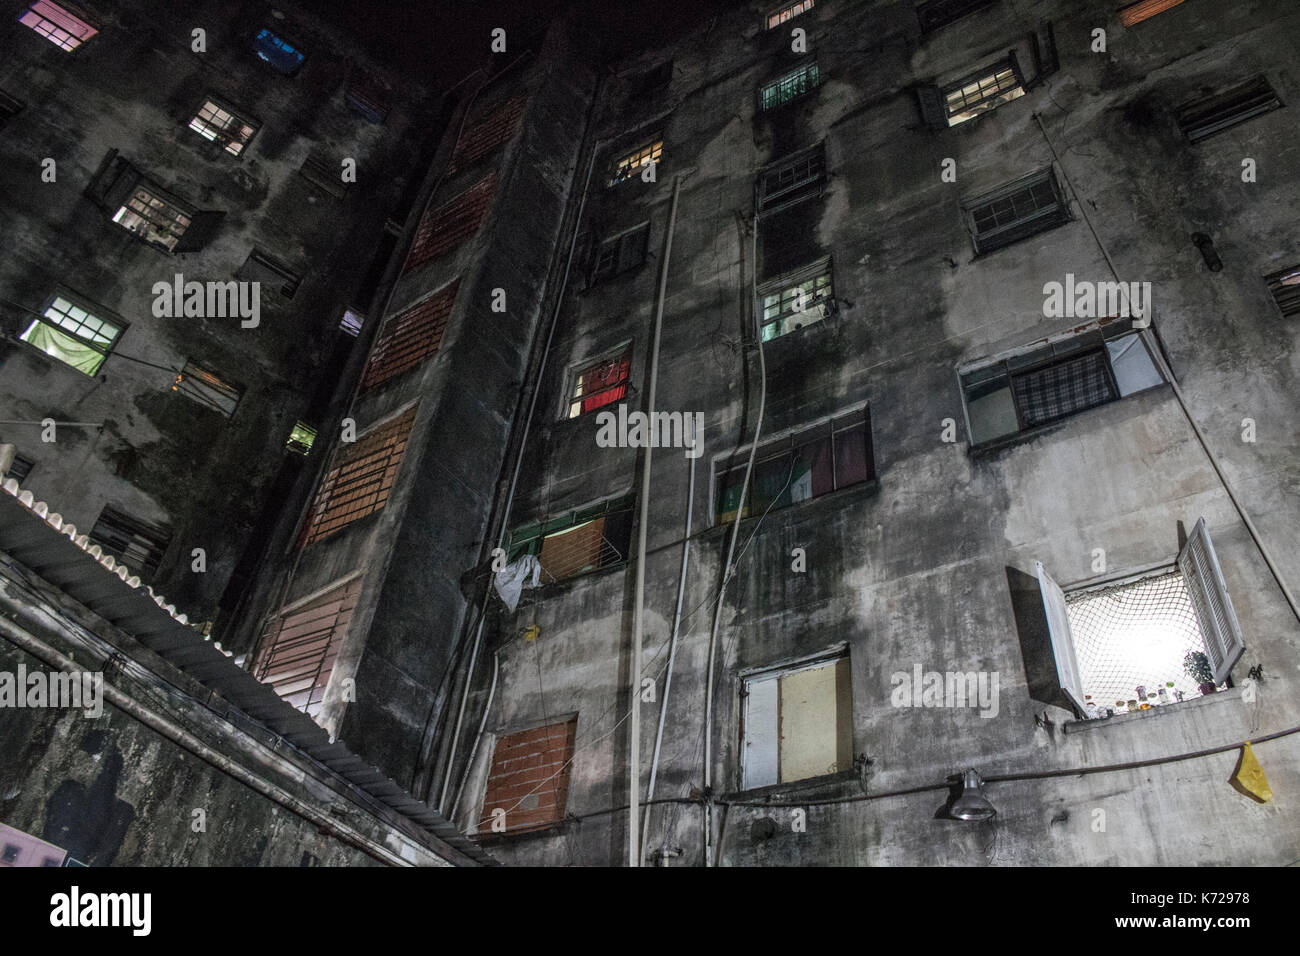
pixel 359 479
pixel 299 646
pixel 1215 114
pixel 57 24
pixel 445 227
pixel 487 134
pixel 410 338
pixel 218 123
pixel 577 542
pixel 630 165
pixel 600 383
pixel 529 777
pixel 1144 10
pixel 788 12
pixel 1016 211
pixel 789 87
pixel 620 253
pixel 791 304
pixel 982 92
pixel 153 218
pixel 792 179
pixel 137 544
pixel 1284 286
pixel 206 387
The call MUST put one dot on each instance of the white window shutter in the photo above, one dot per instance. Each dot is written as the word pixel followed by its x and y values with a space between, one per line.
pixel 759 767
pixel 1204 578
pixel 1058 626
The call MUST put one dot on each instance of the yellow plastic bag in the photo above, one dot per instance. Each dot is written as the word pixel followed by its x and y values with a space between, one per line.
pixel 1249 777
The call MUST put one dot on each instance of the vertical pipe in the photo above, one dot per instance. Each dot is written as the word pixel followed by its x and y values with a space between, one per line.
pixel 638 613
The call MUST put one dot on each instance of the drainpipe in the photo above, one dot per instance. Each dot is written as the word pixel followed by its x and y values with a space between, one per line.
pixel 638 612
pixel 731 550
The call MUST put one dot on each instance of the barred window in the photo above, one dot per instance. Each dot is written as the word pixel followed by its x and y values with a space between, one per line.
pixel 359 479
pixel 154 218
pixel 787 12
pixel 630 165
pixel 283 56
pixel 58 24
pixel 1144 10
pixel 939 13
pixel 1214 114
pixel 218 123
pixel 792 179
pixel 577 542
pixel 789 87
pixel 206 387
pixel 1051 383
pixel 139 545
pixel 443 228
pixel 409 338
pixel 600 383
pixel 807 464
pixel 625 251
pixel 73 335
pixel 1284 286
pixel 794 302
pixel 983 91
pixel 1016 211
pixel 529 777
pixel 301 643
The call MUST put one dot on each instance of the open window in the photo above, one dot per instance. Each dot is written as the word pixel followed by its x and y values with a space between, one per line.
pixel 797 722
pixel 595 384
pixel 577 542
pixel 207 388
pixel 1214 114
pixel 1137 643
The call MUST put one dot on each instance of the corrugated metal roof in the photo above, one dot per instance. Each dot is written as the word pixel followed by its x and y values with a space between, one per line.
pixel 54 550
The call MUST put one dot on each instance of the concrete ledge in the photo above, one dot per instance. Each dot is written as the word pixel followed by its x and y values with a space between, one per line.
pixel 1080 726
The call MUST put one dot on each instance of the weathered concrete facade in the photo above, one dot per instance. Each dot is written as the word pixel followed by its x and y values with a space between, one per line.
pixel 131 92
pixel 922 566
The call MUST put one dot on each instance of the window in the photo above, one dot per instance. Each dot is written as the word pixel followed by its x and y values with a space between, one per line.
pixel 410 338
pixel 577 542
pixel 219 123
pixel 1051 383
pixel 1016 211
pixel 359 479
pixel 444 228
pixel 275 50
pixel 71 334
pixel 1215 114
pixel 352 322
pixel 153 216
pixel 807 464
pixel 206 387
pixel 9 107
pixel 789 87
pixel 57 24
pixel 301 438
pixel 10 854
pixel 1144 10
pixel 492 131
pixel 798 723
pixel 270 272
pixel 19 469
pixel 529 779
pixel 787 12
pixel 137 544
pixel 599 383
pixel 791 303
pixel 630 165
pixel 654 79
pixel 1134 644
pixel 368 96
pixel 940 13
pixel 982 91
pixel 301 644
pixel 622 252
pixel 792 179
pixel 1284 286
pixel 325 175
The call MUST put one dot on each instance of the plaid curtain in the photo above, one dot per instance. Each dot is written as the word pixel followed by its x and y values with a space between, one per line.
pixel 1063 389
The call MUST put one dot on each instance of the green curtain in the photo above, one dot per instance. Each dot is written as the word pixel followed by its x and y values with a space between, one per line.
pixel 66 348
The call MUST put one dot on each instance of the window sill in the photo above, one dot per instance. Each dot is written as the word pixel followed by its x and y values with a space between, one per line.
pixel 992 446
pixel 1082 726
pixel 827 785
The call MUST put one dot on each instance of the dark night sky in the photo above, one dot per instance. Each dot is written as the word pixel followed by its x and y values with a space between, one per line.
pixel 442 40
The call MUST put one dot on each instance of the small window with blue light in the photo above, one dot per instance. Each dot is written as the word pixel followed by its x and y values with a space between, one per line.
pixel 278 52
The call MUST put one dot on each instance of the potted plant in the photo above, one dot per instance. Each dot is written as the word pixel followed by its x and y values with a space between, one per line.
pixel 1198 669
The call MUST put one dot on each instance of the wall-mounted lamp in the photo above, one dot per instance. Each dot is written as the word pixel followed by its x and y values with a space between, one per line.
pixel 972 804
pixel 1208 253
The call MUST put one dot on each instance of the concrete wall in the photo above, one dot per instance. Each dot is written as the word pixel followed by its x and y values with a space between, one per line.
pixel 133 88
pixel 919 567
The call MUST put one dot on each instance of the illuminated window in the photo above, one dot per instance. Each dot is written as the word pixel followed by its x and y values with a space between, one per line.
pixel 797 723
pixel 301 438
pixel 301 643
pixel 782 14
pixel 940 13
pixel 359 478
pixel 600 383
pixel 789 87
pixel 1214 114
pixel 792 179
pixel 153 218
pixel 206 387
pixel 529 777
pixel 982 91
pixel 57 24
pixel 137 544
pixel 620 253
pixel 1144 10
pixel 1284 286
pixel 577 542
pixel 1016 211
pixel 278 52
pixel 794 302
pixel 630 165
pixel 352 322
pixel 73 335
pixel 218 123
pixel 807 464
